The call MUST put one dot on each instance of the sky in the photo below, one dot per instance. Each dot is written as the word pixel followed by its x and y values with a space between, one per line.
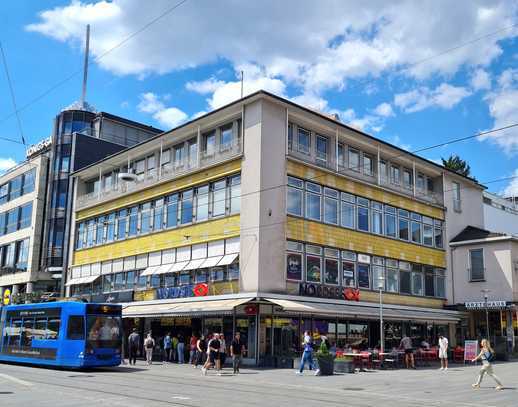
pixel 411 73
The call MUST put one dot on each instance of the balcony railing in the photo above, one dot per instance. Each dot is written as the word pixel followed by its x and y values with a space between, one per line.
pixel 168 171
pixel 328 162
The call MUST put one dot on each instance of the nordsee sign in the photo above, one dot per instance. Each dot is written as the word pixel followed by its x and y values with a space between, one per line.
pixel 483 304
pixel 36 148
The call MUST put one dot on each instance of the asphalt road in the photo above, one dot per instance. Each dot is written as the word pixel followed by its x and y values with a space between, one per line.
pixel 174 385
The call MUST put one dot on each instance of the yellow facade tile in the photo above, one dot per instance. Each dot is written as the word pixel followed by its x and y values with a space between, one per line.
pixel 372 192
pixel 182 236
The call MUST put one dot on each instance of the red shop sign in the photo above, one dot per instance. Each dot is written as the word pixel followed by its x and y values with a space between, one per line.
pixel 201 290
pixel 351 294
pixel 251 309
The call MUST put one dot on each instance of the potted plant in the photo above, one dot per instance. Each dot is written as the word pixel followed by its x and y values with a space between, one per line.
pixel 343 364
pixel 325 359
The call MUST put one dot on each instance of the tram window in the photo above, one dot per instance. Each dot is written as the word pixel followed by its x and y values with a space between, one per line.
pixel 39 329
pixel 27 332
pixel 53 328
pixel 76 327
pixel 14 334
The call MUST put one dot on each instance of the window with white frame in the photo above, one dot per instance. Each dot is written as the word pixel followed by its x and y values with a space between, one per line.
pixel 476 261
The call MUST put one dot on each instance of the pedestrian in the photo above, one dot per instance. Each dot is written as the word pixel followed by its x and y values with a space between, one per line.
pixel 487 355
pixel 307 353
pixel 213 355
pixel 237 348
pixel 192 349
pixel 406 345
pixel 168 343
pixel 201 349
pixel 149 345
pixel 174 349
pixel 222 350
pixel 443 352
pixel 180 347
pixel 133 345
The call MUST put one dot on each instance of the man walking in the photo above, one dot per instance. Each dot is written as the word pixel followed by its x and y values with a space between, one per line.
pixel 406 345
pixel 236 352
pixel 168 343
pixel 180 347
pixel 307 354
pixel 213 355
pixel 443 352
pixel 133 345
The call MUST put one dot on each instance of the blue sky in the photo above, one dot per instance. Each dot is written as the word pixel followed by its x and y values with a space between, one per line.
pixel 356 58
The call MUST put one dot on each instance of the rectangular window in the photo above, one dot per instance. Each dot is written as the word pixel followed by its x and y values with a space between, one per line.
pixel 438 234
pixel 390 225
pixel 416 232
pixel 456 197
pixel 140 168
pixel 219 196
pixel 226 137
pixel 100 230
pixel 130 280
pixel 29 179
pixel 12 220
pixel 294 204
pixel 428 235
pixel 178 155
pixel 235 194
pixel 363 275
pixel 133 221
pixel 313 269
pixel 331 206
pixel 321 147
pixel 304 140
pixel 403 229
pixel 395 176
pixel 290 136
pixel 81 230
pixel 145 217
pixel 53 326
pixel 348 274
pixel 4 193
pixel 22 254
pixel 110 227
pixel 348 215
pixel 383 171
pixel 90 229
pixel 15 189
pixel 202 203
pixel 172 210
pixel 417 279
pixel 476 261
pixel 158 214
pixel 392 280
pixel 341 155
pixel 363 218
pixel 405 278
pixel 122 221
pixel 313 210
pixel 217 274
pixel 9 255
pixel 186 207
pixel 76 327
pixel 119 282
pixel 107 283
pixel 233 271
pixel 354 159
pixel 209 142
pixel 407 178
pixel 367 165
pixel 294 266
pixel 377 222
pixel 429 282
pixel 420 184
pixel 25 215
pixel 440 283
pixel 331 271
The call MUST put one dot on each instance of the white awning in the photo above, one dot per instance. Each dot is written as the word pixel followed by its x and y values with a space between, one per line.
pixel 163 269
pixel 211 261
pixel 183 308
pixel 228 259
pixel 363 311
pixel 178 266
pixel 194 264
pixel 82 280
pixel 149 271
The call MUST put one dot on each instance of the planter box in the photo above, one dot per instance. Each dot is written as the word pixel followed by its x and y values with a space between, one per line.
pixel 325 364
pixel 343 366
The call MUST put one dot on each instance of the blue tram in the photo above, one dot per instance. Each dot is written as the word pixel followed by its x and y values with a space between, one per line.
pixel 65 334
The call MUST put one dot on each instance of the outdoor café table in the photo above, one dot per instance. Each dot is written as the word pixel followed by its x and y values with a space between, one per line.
pixel 361 356
pixel 427 355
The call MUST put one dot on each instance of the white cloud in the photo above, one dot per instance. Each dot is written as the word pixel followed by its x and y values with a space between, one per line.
pixel 503 108
pixel 384 109
pixel 204 87
pixel 512 189
pixel 312 46
pixel 312 101
pixel 396 140
pixel 480 80
pixel 169 117
pixel 444 96
pixel 6 163
pixel 364 123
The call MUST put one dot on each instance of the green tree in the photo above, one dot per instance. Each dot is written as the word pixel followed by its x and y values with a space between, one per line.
pixel 457 164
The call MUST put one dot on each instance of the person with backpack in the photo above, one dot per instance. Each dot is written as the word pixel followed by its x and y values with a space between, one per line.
pixel 443 352
pixel 133 345
pixel 487 355
pixel 149 345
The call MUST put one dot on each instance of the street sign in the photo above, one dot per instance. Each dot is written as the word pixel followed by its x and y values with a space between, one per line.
pixel 482 305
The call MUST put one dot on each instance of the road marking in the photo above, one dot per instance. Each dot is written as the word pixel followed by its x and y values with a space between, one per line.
pixel 16 380
pixel 179 397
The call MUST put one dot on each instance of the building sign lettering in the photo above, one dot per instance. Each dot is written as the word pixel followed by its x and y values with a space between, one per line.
pixel 478 305
pixel 323 291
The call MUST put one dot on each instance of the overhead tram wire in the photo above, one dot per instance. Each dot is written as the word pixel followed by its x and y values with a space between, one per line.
pixel 168 11
pixel 11 90
pixel 96 59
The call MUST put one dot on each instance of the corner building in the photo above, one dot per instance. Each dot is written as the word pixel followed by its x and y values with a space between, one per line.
pixel 268 218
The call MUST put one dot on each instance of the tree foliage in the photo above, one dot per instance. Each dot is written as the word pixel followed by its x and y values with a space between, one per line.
pixel 457 164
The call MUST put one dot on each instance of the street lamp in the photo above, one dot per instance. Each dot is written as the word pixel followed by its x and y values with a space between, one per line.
pixel 486 291
pixel 381 287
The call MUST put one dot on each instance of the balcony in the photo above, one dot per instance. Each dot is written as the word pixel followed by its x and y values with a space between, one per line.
pixel 168 172
pixel 364 174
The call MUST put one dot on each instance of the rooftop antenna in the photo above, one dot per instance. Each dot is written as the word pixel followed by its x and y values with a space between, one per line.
pixel 85 69
pixel 242 80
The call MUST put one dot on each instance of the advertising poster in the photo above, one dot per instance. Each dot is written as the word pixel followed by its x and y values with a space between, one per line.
pixel 470 350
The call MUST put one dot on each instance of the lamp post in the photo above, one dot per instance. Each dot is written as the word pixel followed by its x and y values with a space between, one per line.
pixel 381 287
pixel 486 291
